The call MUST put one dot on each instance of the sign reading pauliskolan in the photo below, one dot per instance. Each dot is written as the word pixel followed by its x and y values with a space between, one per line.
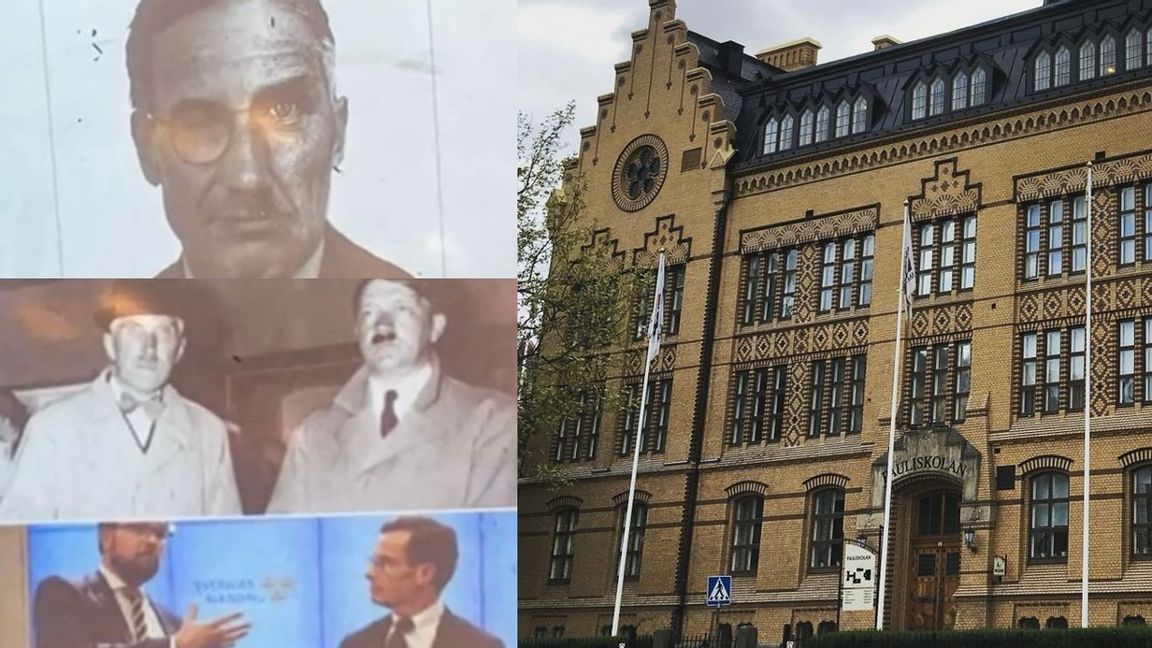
pixel 858 578
pixel 930 462
pixel 719 591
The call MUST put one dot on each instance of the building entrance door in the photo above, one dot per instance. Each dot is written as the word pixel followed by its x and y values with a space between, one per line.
pixel 934 572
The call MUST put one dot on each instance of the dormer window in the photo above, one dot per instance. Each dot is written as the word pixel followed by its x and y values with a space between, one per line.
pixel 1063 66
pixel 1132 57
pixel 771 132
pixel 1087 61
pixel 842 119
pixel 822 124
pixel 786 129
pixel 936 97
pixel 960 91
pixel 806 127
pixel 919 101
pixel 979 83
pixel 1043 71
pixel 859 115
pixel 1107 56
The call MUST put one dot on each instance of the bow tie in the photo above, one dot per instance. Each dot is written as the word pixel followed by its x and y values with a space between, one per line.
pixel 129 403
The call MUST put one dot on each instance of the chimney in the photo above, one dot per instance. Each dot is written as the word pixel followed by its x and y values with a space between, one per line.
pixel 732 57
pixel 884 40
pixel 793 55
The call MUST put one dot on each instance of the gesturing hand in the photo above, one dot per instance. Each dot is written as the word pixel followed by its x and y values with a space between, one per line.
pixel 217 633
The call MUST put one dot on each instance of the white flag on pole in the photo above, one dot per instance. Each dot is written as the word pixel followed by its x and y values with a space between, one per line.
pixel 908 276
pixel 656 323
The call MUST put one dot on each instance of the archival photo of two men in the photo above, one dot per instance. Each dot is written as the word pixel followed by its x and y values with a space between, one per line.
pixel 140 399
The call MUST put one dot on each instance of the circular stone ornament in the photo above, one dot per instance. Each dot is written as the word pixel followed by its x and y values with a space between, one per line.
pixel 639 173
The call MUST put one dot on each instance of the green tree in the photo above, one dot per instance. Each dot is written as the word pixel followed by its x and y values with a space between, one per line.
pixel 573 294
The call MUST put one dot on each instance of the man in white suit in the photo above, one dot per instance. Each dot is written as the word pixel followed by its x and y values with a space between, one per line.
pixel 127 445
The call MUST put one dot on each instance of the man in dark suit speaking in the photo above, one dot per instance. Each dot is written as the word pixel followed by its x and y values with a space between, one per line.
pixel 414 559
pixel 109 609
pixel 237 120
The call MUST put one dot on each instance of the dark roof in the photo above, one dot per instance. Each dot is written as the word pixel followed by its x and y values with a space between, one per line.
pixel 732 70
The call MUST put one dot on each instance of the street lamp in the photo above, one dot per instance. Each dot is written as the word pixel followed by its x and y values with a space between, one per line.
pixel 970 539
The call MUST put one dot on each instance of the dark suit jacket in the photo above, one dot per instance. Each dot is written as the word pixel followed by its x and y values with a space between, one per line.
pixel 86 615
pixel 342 259
pixel 453 632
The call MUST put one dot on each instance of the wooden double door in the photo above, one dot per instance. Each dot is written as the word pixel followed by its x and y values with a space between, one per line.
pixel 934 570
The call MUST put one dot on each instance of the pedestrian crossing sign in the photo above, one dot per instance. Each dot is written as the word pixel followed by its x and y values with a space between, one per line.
pixel 719 591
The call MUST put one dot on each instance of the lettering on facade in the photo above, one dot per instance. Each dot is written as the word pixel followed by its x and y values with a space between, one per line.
pixel 937 463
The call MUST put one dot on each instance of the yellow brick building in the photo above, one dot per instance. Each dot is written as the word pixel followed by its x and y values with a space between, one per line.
pixel 777 189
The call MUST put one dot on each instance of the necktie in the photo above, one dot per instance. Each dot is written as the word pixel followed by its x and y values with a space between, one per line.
pixel 399 638
pixel 388 418
pixel 136 613
pixel 129 403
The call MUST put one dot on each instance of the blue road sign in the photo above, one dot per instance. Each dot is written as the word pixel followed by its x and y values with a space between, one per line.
pixel 719 591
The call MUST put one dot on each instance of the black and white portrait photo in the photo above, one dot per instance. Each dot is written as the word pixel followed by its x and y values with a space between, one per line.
pixel 139 399
pixel 256 138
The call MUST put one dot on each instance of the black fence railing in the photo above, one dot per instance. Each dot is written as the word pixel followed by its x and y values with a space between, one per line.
pixel 641 641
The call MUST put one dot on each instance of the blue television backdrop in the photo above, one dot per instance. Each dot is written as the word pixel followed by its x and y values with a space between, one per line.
pixel 300 581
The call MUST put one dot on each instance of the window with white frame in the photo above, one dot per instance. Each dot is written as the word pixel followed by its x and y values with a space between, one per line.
pixel 563 536
pixel 827 540
pixel 946 260
pixel 786 132
pixel 859 115
pixel 771 136
pixel 1048 517
pixel 1052 371
pixel 936 97
pixel 747 517
pixel 758 405
pixel 635 539
pixel 578 436
pixel 1107 56
pixel 836 396
pixel 939 380
pixel 960 91
pixel 1088 61
pixel 805 128
pixel 842 119
pixel 845 270
pixel 1042 71
pixel 1055 241
pixel 1133 57
pixel 1062 67
pixel 1142 512
pixel 822 124
pixel 919 100
pixel 768 290
pixel 1126 365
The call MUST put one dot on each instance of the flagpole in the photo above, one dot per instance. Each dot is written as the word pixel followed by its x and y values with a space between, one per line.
pixel 1087 406
pixel 885 530
pixel 653 327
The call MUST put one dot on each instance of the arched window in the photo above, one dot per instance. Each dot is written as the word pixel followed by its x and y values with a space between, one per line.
pixel 1142 512
pixel 960 91
pixel 786 130
pixel 1107 56
pixel 747 516
pixel 919 101
pixel 979 87
pixel 822 124
pixel 806 128
pixel 1087 61
pixel 1043 71
pixel 1056 623
pixel 804 630
pixel 1028 623
pixel 825 627
pixel 1133 619
pixel 1132 57
pixel 1048 518
pixel 1063 67
pixel 635 540
pixel 842 118
pixel 936 99
pixel 827 542
pixel 859 115
pixel 771 133
pixel 564 532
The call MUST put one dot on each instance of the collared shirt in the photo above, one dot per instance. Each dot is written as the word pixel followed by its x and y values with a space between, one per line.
pixel 407 389
pixel 310 269
pixel 424 626
pixel 139 422
pixel 151 621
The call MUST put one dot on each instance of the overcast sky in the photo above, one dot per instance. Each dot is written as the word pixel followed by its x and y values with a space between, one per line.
pixel 568 47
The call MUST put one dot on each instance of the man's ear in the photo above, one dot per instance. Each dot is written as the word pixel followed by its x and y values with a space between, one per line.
pixel 439 321
pixel 145 134
pixel 110 347
pixel 425 572
pixel 341 128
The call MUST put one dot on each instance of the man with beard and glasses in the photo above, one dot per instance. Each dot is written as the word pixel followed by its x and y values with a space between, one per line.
pixel 110 609
pixel 127 445
pixel 236 118
pixel 401 434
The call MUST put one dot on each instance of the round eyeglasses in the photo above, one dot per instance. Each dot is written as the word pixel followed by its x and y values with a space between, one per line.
pixel 201 131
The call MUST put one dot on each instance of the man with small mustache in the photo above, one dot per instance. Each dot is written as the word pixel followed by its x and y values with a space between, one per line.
pixel 401 434
pixel 127 445
pixel 110 608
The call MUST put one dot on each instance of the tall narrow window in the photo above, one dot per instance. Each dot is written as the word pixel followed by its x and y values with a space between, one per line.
pixel 1127 227
pixel 968 254
pixel 806 128
pixel 748 513
pixel 1051 372
pixel 924 266
pixel 771 136
pixel 635 539
pixel 827 277
pixel 631 415
pixel 947 255
pixel 1043 71
pixel 775 402
pixel 1148 222
pixel 827 529
pixel 757 405
pixel 1132 54
pixel 655 432
pixel 940 385
pixel 1087 61
pixel 1142 512
pixel 868 248
pixel 963 380
pixel 1076 368
pixel 817 390
pixel 1048 528
pixel 786 131
pixel 842 117
pixel 847 272
pixel 562 440
pixel 674 287
pixel 918 376
pixel 960 91
pixel 1079 234
pixel 936 97
pixel 1148 360
pixel 751 282
pixel 1063 67
pixel 1107 56
pixel 979 87
pixel 919 100
pixel 836 397
pixel 1148 48
pixel 856 411
pixel 822 124
pixel 1032 242
pixel 788 299
pixel 1028 375
pixel 859 115
pixel 564 531
pixel 741 406
pixel 1126 368
pixel 1055 237
pixel 769 301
